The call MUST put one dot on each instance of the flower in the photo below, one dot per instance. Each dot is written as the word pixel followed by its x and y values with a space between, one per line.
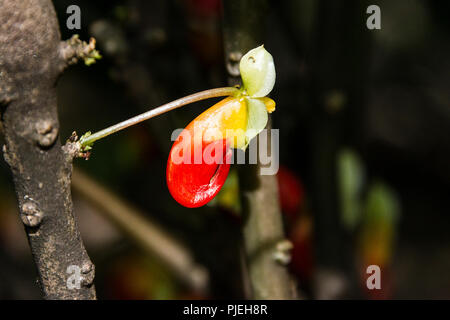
pixel 200 157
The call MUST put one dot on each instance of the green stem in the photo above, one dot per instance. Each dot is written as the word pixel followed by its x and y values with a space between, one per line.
pixel 202 95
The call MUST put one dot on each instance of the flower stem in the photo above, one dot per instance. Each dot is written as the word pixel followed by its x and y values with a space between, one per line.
pixel 88 140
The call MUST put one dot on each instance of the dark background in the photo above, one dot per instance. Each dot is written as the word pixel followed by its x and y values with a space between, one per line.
pixel 358 107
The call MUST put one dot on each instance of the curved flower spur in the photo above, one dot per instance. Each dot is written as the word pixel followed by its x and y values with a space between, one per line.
pixel 199 160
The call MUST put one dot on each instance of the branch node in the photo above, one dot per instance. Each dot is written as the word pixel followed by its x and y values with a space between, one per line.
pixel 282 252
pixel 47 133
pixel 88 271
pixel 70 51
pixel 233 63
pixel 31 216
pixel 72 148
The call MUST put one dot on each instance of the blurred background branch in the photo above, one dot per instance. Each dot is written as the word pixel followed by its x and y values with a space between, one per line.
pixel 141 229
pixel 339 59
pixel 263 234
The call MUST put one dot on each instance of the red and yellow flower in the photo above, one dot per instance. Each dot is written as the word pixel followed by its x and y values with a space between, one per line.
pixel 200 157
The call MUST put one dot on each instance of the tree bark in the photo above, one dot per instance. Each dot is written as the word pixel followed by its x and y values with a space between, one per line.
pixel 31 59
pixel 266 249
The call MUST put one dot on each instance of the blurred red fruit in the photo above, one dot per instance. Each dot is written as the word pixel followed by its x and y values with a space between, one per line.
pixel 302 262
pixel 291 192
pixel 204 30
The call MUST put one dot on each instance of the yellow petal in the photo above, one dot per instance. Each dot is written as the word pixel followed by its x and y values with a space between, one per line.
pixel 226 119
pixel 270 104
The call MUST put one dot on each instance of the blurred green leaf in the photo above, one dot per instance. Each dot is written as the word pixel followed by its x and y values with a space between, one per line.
pixel 350 184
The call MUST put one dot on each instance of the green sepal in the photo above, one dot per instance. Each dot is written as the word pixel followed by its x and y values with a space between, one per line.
pixel 256 119
pixel 258 72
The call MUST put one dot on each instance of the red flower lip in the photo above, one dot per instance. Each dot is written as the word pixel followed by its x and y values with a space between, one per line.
pixel 192 183
pixel 199 160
